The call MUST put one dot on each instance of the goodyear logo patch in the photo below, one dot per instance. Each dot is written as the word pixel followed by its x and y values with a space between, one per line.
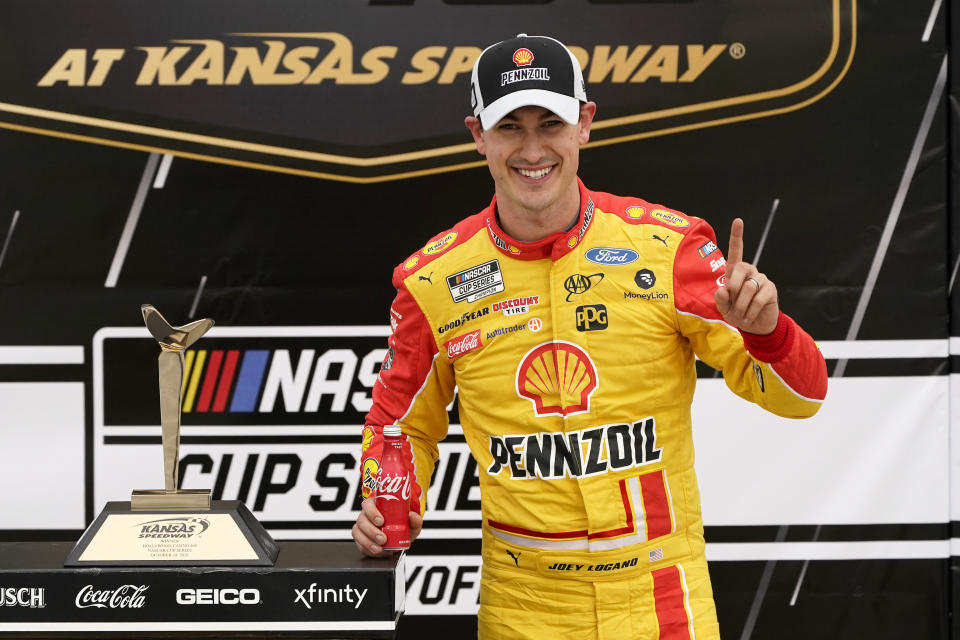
pixel 440 245
pixel 670 218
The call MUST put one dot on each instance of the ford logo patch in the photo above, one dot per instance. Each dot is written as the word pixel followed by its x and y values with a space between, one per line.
pixel 611 256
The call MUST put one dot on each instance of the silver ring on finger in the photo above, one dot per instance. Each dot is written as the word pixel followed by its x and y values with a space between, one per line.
pixel 754 281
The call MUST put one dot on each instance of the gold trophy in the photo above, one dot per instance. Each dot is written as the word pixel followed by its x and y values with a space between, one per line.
pixel 173 342
pixel 172 526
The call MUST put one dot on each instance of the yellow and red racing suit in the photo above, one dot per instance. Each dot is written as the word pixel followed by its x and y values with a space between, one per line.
pixel 574 362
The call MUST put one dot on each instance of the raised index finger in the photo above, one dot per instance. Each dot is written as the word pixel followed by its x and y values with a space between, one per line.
pixel 735 248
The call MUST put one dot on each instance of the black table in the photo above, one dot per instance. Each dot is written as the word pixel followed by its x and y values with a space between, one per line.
pixel 315 590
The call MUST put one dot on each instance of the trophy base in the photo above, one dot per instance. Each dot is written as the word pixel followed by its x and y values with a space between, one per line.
pixel 224 533
pixel 149 499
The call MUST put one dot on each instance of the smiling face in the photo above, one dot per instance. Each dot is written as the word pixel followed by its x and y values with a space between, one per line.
pixel 533 157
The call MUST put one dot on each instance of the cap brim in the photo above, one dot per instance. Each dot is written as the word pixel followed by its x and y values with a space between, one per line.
pixel 567 108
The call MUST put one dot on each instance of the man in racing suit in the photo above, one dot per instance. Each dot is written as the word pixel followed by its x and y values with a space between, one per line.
pixel 568 320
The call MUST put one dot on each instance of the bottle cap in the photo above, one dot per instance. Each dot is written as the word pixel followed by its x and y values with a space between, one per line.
pixel 392 430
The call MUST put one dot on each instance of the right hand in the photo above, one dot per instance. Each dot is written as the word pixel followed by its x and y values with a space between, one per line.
pixel 367 534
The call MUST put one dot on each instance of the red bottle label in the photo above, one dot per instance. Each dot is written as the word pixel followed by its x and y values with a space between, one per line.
pixel 393 496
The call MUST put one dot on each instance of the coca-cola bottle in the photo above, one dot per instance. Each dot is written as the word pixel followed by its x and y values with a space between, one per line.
pixel 393 491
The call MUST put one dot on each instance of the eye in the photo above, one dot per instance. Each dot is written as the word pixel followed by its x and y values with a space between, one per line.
pixel 553 122
pixel 507 126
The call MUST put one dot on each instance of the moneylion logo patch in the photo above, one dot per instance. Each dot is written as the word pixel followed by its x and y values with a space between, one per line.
pixel 695 76
pixel 558 378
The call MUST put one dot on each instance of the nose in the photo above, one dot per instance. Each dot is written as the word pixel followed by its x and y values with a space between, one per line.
pixel 531 148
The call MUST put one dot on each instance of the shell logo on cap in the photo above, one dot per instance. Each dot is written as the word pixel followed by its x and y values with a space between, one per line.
pixel 522 57
pixel 636 211
pixel 440 245
pixel 558 378
pixel 370 470
pixel 670 218
pixel 411 263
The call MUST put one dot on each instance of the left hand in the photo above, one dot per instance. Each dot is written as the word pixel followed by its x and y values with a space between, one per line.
pixel 748 301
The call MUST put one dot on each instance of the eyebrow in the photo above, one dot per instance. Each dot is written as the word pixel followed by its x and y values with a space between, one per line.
pixel 546 115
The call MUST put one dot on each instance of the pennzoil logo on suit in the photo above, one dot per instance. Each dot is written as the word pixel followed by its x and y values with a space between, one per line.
pixel 549 456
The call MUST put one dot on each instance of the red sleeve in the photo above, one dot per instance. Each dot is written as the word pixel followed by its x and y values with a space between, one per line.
pixel 797 363
pixel 407 370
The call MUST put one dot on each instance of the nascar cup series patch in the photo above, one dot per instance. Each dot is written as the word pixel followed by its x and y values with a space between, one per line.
pixel 476 282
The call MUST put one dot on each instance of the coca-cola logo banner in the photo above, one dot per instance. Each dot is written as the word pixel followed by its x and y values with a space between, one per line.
pixel 127 596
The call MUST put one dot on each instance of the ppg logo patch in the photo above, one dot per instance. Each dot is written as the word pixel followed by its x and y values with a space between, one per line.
pixel 591 317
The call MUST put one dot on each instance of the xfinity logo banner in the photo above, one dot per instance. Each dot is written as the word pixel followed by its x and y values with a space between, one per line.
pixel 317 596
pixel 152 81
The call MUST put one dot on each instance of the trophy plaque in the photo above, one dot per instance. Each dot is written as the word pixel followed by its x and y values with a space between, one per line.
pixel 173 526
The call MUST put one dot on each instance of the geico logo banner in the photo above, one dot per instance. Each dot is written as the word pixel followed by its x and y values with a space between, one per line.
pixel 310 482
pixel 218 596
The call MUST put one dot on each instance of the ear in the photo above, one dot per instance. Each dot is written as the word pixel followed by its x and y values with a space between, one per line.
pixel 587 111
pixel 476 129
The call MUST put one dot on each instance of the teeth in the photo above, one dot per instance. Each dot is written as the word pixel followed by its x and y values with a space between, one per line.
pixel 535 174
